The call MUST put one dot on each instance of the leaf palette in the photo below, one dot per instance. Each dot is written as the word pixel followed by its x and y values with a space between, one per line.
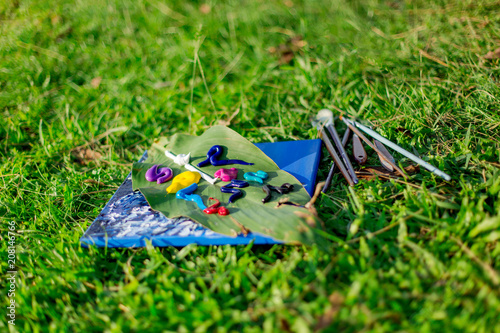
pixel 286 223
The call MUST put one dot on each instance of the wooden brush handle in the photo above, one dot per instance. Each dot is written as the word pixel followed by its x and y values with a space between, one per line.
pixel 336 158
pixel 328 180
pixel 372 146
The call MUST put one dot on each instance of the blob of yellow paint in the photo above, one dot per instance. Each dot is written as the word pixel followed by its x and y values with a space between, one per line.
pixel 183 180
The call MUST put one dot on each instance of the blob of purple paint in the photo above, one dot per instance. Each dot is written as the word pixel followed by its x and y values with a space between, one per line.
pixel 159 176
pixel 226 175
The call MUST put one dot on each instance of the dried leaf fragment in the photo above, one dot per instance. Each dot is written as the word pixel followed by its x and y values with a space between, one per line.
pixel 243 229
pixel 84 156
pixel 308 219
pixel 493 55
pixel 405 131
pixel 55 19
pixel 287 51
pixel 373 172
pixel 93 181
pixel 205 8
pixel 336 300
pixel 95 82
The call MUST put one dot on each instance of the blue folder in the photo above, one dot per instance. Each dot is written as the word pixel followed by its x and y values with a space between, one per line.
pixel 127 220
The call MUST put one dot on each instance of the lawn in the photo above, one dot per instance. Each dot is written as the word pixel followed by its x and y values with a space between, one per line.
pixel 86 86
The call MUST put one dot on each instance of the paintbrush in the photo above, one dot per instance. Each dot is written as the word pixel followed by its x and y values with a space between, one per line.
pixel 353 125
pixel 328 180
pixel 325 117
pixel 355 130
pixel 343 154
pixel 320 122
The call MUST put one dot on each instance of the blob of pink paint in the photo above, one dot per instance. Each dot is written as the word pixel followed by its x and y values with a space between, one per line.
pixel 226 175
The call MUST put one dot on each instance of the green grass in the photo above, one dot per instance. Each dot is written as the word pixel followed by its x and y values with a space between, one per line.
pixel 422 255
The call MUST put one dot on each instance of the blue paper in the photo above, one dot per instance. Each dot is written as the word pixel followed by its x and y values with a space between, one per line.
pixel 127 220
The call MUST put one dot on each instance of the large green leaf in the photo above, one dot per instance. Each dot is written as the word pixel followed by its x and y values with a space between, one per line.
pixel 286 223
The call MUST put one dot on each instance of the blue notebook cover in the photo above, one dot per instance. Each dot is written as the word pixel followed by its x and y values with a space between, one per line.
pixel 127 220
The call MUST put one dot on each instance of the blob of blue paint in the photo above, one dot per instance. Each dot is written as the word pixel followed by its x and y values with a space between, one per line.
pixel 213 156
pixel 233 188
pixel 187 194
pixel 258 176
